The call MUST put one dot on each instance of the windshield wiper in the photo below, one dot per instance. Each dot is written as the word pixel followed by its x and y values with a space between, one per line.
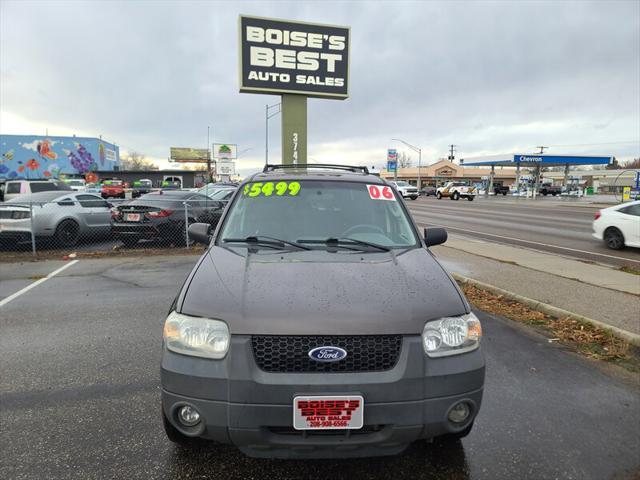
pixel 345 242
pixel 264 241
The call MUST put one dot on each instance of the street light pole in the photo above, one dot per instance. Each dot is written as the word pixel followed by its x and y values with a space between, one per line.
pixel 419 151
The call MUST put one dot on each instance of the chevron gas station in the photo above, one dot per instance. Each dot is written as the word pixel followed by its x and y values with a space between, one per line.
pixel 535 164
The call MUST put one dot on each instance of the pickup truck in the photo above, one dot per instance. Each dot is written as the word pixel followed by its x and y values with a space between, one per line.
pixel 405 189
pixel 456 190
pixel 550 190
pixel 500 189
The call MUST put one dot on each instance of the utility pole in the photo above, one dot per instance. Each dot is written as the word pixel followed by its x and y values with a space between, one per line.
pixel 452 152
pixel 541 149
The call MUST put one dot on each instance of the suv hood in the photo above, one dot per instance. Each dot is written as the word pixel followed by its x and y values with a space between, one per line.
pixel 321 293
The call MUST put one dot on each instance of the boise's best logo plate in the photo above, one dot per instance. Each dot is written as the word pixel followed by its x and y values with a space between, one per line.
pixel 328 412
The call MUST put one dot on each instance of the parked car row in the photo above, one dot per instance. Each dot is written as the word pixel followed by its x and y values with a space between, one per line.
pixel 63 217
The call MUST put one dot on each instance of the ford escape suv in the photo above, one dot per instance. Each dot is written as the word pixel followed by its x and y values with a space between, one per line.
pixel 318 324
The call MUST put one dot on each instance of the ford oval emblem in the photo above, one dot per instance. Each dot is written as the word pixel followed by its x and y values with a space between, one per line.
pixel 327 354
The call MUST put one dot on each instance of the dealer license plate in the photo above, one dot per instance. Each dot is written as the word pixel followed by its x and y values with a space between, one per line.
pixel 328 412
pixel 133 217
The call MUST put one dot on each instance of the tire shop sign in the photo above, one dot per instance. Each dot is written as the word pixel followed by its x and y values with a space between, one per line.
pixel 282 56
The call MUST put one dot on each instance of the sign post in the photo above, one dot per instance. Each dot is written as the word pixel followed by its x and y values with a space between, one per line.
pixel 295 60
pixel 392 162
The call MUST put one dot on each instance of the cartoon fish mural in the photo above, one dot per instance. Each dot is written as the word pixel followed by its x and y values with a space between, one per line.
pixel 44 150
pixel 8 155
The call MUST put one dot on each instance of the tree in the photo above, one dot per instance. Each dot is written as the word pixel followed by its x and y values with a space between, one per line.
pixel 404 160
pixel 635 163
pixel 136 161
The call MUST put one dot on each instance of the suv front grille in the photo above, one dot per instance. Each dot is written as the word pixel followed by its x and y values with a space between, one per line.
pixel 289 353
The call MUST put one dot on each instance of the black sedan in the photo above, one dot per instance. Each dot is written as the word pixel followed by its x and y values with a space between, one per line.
pixel 163 216
pixel 428 191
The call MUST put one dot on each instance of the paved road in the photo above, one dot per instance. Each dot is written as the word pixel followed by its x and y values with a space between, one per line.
pixel 544 224
pixel 79 394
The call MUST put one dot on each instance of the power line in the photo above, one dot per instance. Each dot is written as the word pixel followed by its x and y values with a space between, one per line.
pixel 594 144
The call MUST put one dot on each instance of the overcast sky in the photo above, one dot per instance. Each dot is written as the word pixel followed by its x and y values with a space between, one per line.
pixel 491 77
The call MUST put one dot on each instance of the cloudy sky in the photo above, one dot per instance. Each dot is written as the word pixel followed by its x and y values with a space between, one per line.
pixel 491 77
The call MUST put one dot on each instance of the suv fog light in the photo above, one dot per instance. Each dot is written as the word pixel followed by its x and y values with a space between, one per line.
pixel 188 416
pixel 460 412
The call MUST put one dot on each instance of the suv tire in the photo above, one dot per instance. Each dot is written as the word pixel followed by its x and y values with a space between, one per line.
pixel 67 233
pixel 439 196
pixel 455 196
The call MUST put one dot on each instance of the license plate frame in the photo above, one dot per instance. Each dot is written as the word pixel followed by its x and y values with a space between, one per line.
pixel 132 217
pixel 328 412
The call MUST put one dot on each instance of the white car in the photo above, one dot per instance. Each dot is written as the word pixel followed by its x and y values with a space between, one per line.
pixel 77 184
pixel 405 189
pixel 15 188
pixel 619 226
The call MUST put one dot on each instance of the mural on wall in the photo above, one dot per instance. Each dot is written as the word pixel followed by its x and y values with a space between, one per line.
pixel 31 157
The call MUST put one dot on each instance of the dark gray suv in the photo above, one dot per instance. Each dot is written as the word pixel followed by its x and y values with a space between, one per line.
pixel 318 324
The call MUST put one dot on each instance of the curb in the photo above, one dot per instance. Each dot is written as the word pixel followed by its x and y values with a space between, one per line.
pixel 632 338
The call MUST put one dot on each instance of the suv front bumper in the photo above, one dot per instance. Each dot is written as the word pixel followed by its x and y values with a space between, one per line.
pixel 253 410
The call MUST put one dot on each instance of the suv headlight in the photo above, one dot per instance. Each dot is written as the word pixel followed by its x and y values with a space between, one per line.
pixel 451 335
pixel 196 336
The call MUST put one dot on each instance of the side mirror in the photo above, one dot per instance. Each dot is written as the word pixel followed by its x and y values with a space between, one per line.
pixel 434 236
pixel 200 232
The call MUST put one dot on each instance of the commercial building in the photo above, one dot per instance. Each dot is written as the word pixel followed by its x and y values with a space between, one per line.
pixel 445 171
pixel 582 176
pixel 36 156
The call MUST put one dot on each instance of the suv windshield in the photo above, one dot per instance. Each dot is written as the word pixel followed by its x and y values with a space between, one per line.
pixel 402 184
pixel 295 211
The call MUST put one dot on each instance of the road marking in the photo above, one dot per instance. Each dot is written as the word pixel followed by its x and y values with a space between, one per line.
pixel 532 243
pixel 36 283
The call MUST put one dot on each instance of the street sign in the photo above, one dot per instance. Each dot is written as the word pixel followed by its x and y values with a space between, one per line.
pixel 392 160
pixel 285 56
pixel 626 194
pixel 189 155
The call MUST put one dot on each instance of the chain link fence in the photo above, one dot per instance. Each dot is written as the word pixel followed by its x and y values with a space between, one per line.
pixel 86 222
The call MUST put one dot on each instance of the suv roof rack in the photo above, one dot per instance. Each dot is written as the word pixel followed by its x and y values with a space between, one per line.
pixel 328 166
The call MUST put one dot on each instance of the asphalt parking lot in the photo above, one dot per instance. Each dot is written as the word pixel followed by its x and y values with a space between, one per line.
pixel 79 393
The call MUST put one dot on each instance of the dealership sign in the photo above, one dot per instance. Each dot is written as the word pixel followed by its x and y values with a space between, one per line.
pixel 283 56
pixel 226 151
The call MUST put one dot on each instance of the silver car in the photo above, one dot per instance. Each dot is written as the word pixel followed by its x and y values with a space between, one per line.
pixel 61 216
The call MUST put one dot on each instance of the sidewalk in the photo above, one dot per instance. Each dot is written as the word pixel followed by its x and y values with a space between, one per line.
pixel 599 302
pixel 593 274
